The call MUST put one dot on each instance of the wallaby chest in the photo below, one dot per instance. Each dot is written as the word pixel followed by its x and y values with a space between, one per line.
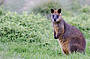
pixel 56 28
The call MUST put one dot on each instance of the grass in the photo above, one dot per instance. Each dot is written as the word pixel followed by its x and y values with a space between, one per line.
pixel 30 36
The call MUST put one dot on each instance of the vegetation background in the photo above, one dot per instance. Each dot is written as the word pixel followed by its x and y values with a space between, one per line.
pixel 26 30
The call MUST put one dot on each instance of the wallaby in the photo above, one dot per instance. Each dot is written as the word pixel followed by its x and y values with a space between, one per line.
pixel 70 38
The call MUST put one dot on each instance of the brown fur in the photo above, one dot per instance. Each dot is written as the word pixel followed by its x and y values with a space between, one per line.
pixel 70 38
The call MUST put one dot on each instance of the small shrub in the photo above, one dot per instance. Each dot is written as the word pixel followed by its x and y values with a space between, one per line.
pixel 85 9
pixel 45 8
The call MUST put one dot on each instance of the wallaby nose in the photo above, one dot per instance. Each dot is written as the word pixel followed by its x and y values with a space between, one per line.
pixel 54 19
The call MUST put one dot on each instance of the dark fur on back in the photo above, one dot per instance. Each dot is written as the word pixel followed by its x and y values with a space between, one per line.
pixel 75 35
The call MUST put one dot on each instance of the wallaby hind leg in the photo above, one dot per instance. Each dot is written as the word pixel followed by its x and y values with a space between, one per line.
pixel 76 48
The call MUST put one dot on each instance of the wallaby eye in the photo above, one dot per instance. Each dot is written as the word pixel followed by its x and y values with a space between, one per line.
pixel 53 16
pixel 57 16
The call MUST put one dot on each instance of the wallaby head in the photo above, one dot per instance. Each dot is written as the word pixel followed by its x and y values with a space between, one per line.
pixel 56 15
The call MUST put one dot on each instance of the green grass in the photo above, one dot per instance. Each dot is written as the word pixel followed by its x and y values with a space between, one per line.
pixel 30 36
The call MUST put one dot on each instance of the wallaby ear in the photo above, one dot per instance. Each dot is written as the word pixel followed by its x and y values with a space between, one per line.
pixel 59 10
pixel 52 10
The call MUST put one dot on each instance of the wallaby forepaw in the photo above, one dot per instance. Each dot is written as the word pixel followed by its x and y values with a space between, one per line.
pixel 55 37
